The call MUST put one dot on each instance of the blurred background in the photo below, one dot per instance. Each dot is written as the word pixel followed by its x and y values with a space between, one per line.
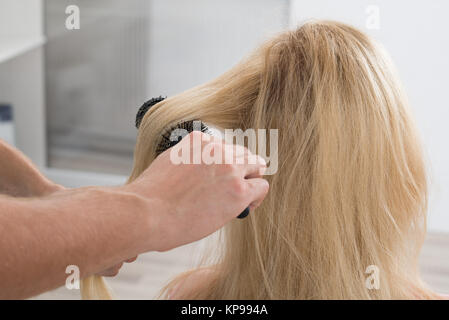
pixel 69 95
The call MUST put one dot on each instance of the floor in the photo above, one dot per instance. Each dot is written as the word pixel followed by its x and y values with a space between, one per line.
pixel 144 278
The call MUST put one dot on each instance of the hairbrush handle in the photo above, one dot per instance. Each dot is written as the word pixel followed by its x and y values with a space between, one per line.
pixel 244 213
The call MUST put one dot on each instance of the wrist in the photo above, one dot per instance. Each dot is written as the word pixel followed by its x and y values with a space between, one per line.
pixel 153 210
pixel 141 213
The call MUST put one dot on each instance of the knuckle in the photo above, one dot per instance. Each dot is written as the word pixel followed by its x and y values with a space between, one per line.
pixel 238 186
pixel 261 161
pixel 266 186
pixel 244 150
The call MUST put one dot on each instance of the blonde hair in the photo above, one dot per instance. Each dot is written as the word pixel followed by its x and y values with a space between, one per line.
pixel 350 191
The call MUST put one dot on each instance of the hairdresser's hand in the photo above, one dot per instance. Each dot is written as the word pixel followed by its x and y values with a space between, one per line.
pixel 194 200
pixel 20 177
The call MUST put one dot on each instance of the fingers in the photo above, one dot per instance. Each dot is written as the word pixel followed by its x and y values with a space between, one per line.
pixel 113 271
pixel 131 260
pixel 255 166
pixel 237 161
pixel 257 189
pixel 249 165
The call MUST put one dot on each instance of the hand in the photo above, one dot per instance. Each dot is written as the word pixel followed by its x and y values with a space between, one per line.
pixel 191 201
pixel 20 177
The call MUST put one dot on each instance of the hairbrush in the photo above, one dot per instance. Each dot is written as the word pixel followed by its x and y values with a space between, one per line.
pixel 168 140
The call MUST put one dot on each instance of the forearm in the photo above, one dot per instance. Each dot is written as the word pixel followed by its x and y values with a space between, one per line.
pixel 19 177
pixel 91 228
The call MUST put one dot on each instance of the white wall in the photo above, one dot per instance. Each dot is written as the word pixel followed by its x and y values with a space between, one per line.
pixel 192 42
pixel 416 35
pixel 21 18
pixel 21 73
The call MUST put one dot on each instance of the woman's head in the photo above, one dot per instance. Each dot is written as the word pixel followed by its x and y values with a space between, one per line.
pixel 350 189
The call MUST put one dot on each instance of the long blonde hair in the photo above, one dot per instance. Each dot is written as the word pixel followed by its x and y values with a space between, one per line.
pixel 350 191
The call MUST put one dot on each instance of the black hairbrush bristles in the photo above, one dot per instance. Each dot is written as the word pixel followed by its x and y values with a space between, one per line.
pixel 174 134
pixel 145 107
